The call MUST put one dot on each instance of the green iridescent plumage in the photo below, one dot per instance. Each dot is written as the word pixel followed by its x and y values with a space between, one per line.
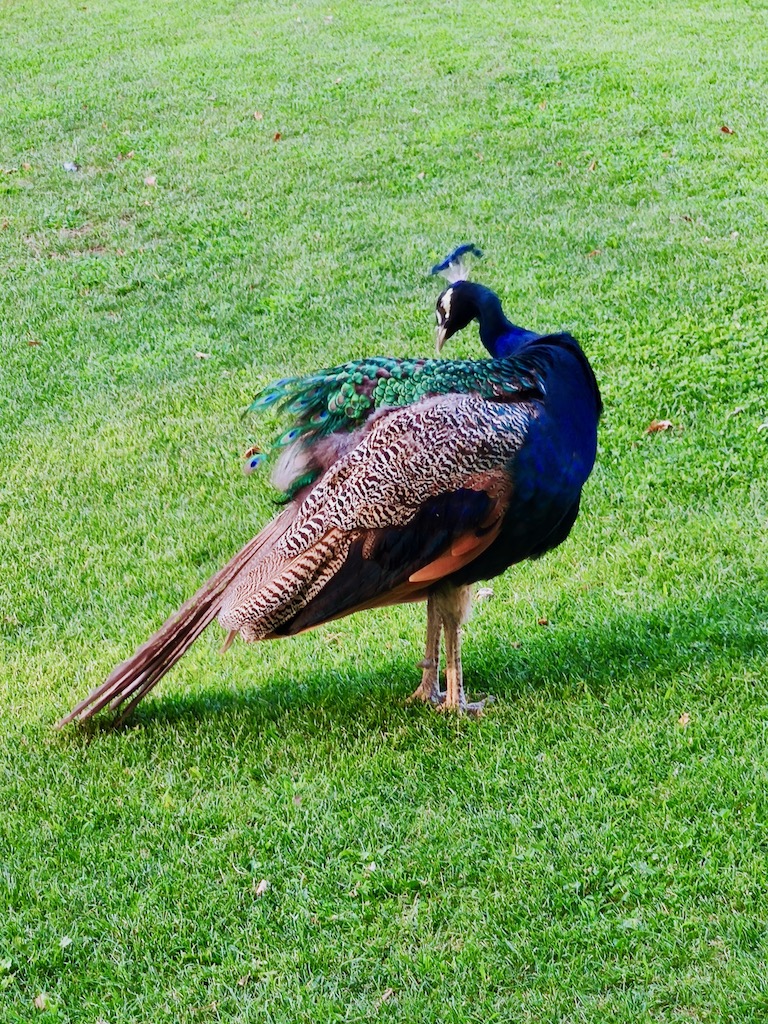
pixel 343 397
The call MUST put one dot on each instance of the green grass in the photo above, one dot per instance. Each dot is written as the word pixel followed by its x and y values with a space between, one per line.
pixel 576 856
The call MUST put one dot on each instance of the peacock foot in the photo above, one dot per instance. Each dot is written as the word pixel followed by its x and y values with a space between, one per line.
pixel 427 694
pixel 429 688
pixel 474 708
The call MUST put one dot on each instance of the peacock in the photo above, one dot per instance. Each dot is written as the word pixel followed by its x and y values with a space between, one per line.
pixel 404 480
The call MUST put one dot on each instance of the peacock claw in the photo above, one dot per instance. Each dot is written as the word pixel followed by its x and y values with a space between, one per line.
pixel 427 696
pixel 474 708
pixel 478 707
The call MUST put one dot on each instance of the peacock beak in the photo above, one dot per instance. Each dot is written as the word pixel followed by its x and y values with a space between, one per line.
pixel 440 338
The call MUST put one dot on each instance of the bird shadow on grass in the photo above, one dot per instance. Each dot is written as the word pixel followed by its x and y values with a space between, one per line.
pixel 644 650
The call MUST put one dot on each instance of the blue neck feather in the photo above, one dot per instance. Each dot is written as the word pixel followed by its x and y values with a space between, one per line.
pixel 500 336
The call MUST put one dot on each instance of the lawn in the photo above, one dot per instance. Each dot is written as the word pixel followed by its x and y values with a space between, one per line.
pixel 261 188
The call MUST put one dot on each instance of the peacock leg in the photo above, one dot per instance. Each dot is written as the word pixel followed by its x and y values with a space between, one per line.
pixel 454 605
pixel 429 689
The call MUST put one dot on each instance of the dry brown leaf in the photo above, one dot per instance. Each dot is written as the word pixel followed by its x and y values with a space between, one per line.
pixel 277 136
pixel 261 888
pixel 543 105
pixel 126 156
pixel 33 342
pixel 258 116
pixel 42 1001
pixel 386 995
pixel 657 425
pixel 684 719
pixel 4 225
pixel 726 130
pixel 592 166
pixel 244 980
pixel 150 181
pixel 593 252
pixel 543 622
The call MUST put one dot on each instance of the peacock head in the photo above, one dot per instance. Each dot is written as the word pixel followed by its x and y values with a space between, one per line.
pixel 456 305
pixel 455 309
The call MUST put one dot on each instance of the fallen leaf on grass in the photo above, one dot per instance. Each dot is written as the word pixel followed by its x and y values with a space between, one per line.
pixel 26 167
pixel 593 252
pixel 150 181
pixel 258 116
pixel 543 105
pixel 277 136
pixel 126 156
pixel 543 622
pixel 726 130
pixel 421 175
pixel 41 1001
pixel 592 166
pixel 202 355
pixel 484 594
pixel 70 166
pixel 386 996
pixel 65 941
pixel 657 425
pixel 33 342
pixel 684 719
pixel 244 980
pixel 261 888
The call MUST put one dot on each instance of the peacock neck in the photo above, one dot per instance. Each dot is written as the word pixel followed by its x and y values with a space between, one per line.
pixel 498 334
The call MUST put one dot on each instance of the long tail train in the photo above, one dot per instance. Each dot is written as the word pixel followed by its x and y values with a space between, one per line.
pixel 134 678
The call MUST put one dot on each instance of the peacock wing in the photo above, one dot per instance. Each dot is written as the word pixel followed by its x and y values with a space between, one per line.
pixel 421 494
pixel 327 406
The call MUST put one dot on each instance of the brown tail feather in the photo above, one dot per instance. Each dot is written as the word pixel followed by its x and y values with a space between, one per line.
pixel 136 676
